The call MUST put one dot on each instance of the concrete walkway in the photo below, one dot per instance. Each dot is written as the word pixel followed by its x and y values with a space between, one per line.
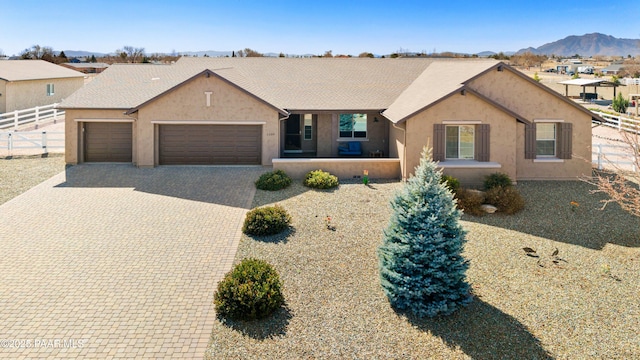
pixel 111 261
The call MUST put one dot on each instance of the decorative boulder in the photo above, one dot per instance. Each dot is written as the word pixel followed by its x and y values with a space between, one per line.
pixel 489 209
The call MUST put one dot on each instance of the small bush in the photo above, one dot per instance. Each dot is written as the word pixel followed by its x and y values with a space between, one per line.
pixel 319 179
pixel 251 290
pixel 273 180
pixel 469 201
pixel 497 179
pixel 507 199
pixel 452 183
pixel 268 220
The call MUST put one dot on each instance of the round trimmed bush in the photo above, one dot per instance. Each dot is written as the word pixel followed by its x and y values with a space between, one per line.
pixel 497 180
pixel 273 180
pixel 268 220
pixel 319 179
pixel 251 290
pixel 507 199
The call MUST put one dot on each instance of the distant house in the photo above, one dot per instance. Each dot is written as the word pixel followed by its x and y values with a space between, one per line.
pixel 480 117
pixel 612 69
pixel 86 68
pixel 28 83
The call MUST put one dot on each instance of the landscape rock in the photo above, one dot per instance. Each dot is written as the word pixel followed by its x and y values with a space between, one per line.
pixel 489 209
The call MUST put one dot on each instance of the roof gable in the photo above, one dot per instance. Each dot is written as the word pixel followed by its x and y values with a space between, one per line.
pixel 438 81
pixel 21 70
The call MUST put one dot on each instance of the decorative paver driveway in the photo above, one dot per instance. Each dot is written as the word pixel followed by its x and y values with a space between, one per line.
pixel 111 261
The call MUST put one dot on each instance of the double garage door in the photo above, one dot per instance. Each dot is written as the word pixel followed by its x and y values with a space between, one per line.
pixel 210 144
pixel 178 144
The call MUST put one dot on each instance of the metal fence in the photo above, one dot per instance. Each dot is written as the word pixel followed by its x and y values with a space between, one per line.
pixel 15 119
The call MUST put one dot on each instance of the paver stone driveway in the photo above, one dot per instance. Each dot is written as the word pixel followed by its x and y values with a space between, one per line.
pixel 112 261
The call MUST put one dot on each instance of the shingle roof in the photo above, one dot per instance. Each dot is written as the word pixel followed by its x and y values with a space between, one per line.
pixel 17 70
pixel 439 80
pixel 290 83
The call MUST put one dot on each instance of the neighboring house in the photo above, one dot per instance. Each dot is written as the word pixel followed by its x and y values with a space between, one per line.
pixel 86 68
pixel 480 116
pixel 28 83
pixel 612 69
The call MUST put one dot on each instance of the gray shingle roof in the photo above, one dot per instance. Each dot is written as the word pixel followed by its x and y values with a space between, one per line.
pixel 292 84
pixel 18 70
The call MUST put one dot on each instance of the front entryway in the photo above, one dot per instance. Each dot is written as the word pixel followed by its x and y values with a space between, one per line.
pixel 299 134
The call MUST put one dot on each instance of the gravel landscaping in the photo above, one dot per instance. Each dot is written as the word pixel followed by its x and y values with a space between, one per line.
pixel 20 173
pixel 584 305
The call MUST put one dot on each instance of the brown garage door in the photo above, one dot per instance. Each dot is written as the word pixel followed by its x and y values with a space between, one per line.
pixel 107 142
pixel 210 144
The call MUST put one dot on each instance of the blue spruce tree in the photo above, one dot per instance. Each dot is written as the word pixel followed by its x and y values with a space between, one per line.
pixel 422 270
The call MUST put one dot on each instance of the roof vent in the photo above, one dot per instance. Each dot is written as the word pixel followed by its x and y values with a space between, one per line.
pixel 500 68
pixel 153 79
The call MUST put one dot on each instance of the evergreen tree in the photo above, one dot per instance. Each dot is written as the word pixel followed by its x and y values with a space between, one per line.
pixel 422 270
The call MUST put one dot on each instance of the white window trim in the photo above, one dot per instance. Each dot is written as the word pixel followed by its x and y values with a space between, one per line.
pixel 462 122
pixel 469 164
pixel 547 159
pixel 548 120
pixel 352 139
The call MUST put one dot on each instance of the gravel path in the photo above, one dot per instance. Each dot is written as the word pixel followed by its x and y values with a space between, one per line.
pixel 21 173
pixel 584 307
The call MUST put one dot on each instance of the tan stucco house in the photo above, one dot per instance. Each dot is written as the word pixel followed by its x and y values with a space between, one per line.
pixel 29 83
pixel 480 116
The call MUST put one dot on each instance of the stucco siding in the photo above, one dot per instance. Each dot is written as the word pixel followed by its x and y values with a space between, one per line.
pixel 533 103
pixel 21 95
pixel 464 108
pixel 189 103
pixel 3 96
pixel 325 140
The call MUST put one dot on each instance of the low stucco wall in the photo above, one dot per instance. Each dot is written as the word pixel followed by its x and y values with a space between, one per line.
pixel 342 168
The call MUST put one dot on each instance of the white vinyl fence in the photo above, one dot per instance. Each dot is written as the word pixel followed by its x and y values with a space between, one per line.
pixel 41 141
pixel 39 114
pixel 614 156
pixel 620 122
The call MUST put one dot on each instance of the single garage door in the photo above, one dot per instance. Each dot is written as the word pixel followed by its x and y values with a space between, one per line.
pixel 107 142
pixel 210 144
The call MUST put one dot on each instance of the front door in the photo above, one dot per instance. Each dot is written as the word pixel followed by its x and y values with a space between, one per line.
pixel 293 135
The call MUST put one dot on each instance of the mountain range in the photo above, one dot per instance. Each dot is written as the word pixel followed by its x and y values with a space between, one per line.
pixel 584 45
pixel 588 45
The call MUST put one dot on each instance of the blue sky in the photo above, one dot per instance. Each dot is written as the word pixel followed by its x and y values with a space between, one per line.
pixel 306 27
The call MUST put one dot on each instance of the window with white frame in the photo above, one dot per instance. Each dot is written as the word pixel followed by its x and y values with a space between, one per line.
pixel 353 125
pixel 460 142
pixel 50 90
pixel 546 139
pixel 308 126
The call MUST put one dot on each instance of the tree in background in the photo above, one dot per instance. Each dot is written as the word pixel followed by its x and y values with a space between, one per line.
pixel 247 52
pixel 366 54
pixel 37 52
pixel 620 104
pixel 422 270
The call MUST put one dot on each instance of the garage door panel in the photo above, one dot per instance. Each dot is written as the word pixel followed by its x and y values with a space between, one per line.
pixel 108 142
pixel 210 144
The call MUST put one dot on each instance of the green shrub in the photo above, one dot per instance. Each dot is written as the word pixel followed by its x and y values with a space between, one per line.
pixel 268 220
pixel 251 290
pixel 469 201
pixel 319 179
pixel 620 104
pixel 507 199
pixel 497 179
pixel 452 183
pixel 273 180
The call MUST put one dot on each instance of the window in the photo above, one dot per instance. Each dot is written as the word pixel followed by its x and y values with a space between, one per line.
pixel 308 125
pixel 50 91
pixel 546 139
pixel 460 141
pixel 353 125
pixel 466 140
